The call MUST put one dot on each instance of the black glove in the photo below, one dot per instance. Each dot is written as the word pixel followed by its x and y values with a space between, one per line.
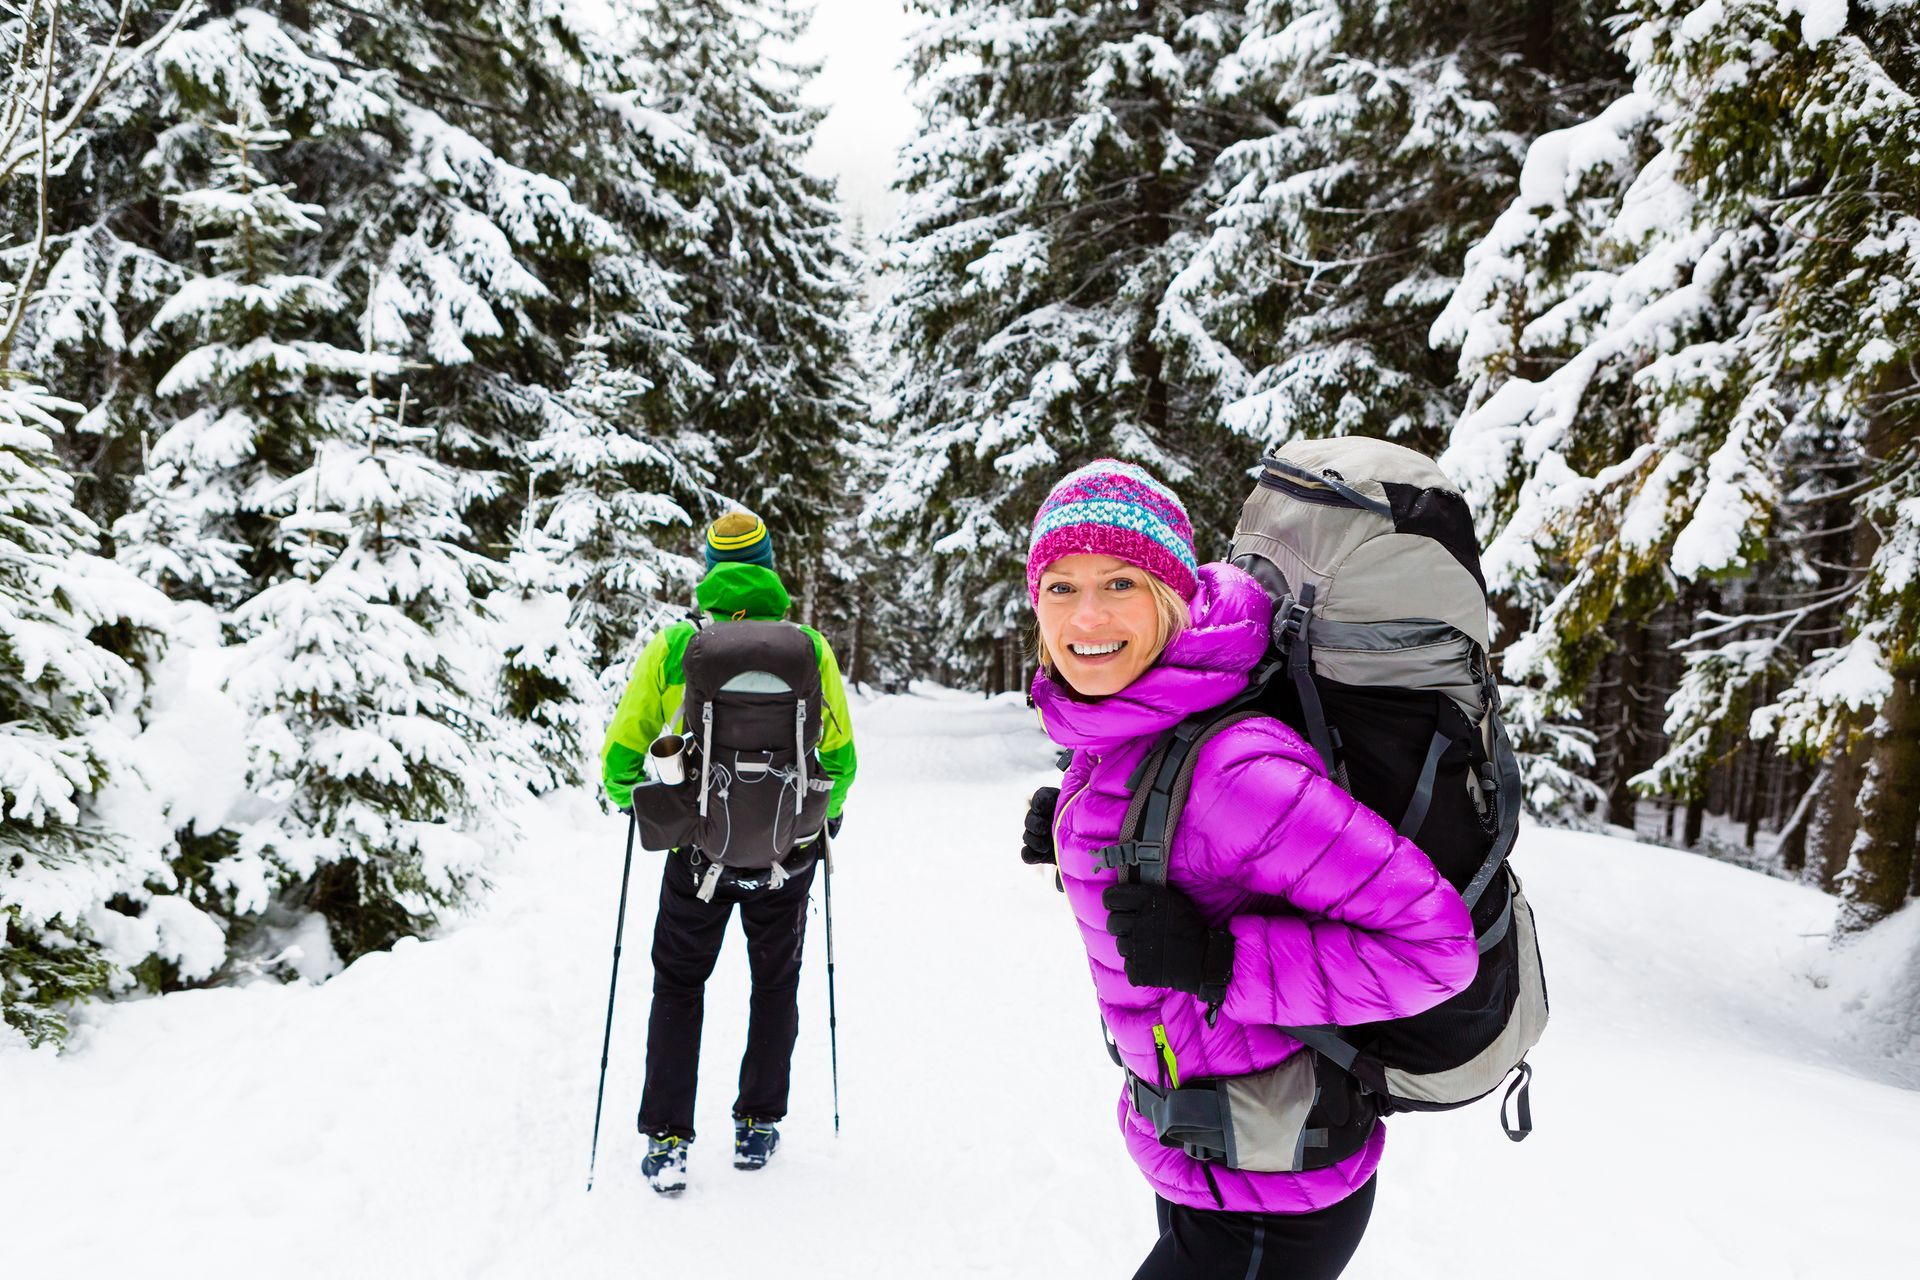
pixel 833 826
pixel 1166 944
pixel 1036 846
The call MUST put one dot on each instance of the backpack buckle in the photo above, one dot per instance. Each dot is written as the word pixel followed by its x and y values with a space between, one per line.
pixel 1131 853
pixel 1290 622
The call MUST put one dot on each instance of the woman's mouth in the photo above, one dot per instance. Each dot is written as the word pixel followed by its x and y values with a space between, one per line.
pixel 1087 652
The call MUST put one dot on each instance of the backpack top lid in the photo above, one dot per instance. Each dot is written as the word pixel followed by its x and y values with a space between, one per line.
pixel 758 671
pixel 1377 529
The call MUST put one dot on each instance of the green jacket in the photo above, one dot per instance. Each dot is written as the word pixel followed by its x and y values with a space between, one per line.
pixel 729 592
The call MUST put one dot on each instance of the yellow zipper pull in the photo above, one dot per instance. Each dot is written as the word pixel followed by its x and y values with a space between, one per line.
pixel 1171 1078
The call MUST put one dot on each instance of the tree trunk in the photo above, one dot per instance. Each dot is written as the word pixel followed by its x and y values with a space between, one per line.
pixel 1880 861
pixel 857 643
pixel 1696 820
pixel 1793 832
pixel 1630 666
pixel 1834 819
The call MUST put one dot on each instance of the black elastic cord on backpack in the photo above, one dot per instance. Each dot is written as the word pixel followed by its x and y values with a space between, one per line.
pixel 1522 1086
pixel 1382 509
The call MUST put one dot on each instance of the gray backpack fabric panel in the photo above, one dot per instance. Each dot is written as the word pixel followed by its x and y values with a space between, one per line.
pixel 1483 1074
pixel 1266 1116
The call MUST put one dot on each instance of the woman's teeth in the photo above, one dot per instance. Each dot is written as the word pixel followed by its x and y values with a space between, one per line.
pixel 1096 650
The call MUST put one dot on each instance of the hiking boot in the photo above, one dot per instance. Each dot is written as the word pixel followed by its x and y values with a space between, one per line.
pixel 754 1142
pixel 665 1164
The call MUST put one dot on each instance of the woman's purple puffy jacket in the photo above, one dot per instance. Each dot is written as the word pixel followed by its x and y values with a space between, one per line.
pixel 1335 918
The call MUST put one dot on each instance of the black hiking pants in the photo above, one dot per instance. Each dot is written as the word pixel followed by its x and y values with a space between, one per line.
pixel 1210 1244
pixel 686 942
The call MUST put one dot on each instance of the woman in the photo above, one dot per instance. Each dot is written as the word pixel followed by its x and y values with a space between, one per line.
pixel 1286 904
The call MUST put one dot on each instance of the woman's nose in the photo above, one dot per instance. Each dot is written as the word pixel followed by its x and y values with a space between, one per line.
pixel 1089 612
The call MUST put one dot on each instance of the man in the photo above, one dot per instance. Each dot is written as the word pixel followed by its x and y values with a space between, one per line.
pixel 740 584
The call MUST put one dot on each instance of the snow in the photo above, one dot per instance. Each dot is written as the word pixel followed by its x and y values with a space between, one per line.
pixel 427 1112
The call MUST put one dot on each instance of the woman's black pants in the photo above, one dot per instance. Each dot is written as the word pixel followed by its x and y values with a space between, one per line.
pixel 686 942
pixel 1210 1244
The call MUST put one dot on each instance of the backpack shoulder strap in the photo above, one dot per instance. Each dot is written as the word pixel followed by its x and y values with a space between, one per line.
pixel 1160 786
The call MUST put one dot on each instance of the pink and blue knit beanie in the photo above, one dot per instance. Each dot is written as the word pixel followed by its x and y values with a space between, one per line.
pixel 1113 508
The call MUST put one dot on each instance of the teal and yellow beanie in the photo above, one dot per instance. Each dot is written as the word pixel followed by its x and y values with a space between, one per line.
pixel 739 538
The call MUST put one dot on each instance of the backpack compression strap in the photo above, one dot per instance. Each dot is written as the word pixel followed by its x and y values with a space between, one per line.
pixel 1291 627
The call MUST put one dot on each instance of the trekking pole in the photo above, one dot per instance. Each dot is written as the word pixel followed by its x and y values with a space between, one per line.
pixel 606 1041
pixel 833 1017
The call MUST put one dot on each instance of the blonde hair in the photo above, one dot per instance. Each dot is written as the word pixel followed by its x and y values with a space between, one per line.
pixel 1169 610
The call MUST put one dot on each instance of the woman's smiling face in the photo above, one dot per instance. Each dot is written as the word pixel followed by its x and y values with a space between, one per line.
pixel 1099 621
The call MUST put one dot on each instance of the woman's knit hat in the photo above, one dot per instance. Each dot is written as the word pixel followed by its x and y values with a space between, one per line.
pixel 1113 508
pixel 739 537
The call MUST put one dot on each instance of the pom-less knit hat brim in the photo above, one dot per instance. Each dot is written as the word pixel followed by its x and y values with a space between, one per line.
pixel 1116 509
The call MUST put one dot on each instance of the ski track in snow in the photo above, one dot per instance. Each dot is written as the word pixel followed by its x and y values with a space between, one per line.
pixel 1713 1097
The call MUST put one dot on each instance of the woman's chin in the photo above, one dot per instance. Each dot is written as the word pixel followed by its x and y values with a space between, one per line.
pixel 1096 680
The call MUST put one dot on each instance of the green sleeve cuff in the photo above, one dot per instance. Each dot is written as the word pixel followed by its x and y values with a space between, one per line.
pixel 622 770
pixel 840 764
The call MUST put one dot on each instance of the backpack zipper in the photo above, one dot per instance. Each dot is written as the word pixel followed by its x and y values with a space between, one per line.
pixel 1293 489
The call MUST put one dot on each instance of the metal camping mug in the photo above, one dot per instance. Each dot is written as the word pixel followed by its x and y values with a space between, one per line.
pixel 668 752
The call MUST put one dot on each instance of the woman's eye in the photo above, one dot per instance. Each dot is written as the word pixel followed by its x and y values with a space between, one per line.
pixel 1121 584
pixel 1058 588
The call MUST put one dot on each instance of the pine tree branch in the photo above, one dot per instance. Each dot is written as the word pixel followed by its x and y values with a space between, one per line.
pixel 421 87
pixel 485 42
pixel 1792 617
pixel 109 71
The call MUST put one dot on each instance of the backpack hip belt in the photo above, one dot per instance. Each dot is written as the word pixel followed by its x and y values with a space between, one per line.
pixel 709 875
pixel 1293 1117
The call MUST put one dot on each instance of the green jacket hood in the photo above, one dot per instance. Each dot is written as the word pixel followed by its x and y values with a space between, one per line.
pixel 735 590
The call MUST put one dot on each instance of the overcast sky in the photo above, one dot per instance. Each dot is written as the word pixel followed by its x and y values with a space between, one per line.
pixel 861 43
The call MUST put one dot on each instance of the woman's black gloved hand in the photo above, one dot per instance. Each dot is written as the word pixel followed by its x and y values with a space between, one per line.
pixel 1036 846
pixel 1165 942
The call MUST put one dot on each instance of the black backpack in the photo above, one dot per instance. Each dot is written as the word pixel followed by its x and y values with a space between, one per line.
pixel 752 710
pixel 1380 661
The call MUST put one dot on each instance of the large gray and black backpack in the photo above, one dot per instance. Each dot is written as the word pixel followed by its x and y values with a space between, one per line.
pixel 1380 660
pixel 752 713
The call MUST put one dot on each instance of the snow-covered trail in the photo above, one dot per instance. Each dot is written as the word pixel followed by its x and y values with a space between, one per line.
pixel 1707 1104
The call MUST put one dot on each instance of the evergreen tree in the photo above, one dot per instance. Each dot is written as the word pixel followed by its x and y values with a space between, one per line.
pixel 1052 195
pixel 248 382
pixel 491 165
pixel 769 282
pixel 1695 293
pixel 61 611
pixel 1340 232
pixel 549 689
pixel 368 680
pixel 614 501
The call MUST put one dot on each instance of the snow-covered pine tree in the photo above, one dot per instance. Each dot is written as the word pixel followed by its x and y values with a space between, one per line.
pixel 100 54
pixel 528 184
pixel 250 384
pixel 769 285
pixel 610 503
pixel 369 682
pixel 1339 233
pixel 486 161
pixel 1052 194
pixel 549 682
pixel 1717 275
pixel 77 634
